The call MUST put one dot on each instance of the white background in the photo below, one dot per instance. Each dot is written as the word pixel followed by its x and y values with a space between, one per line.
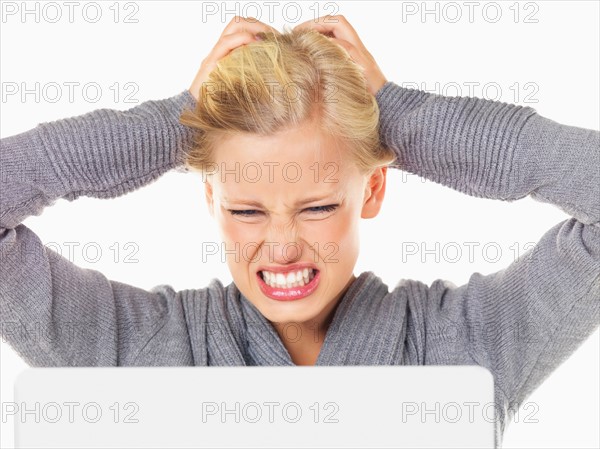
pixel 168 221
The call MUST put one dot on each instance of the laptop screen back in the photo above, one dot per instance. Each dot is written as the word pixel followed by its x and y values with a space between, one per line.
pixel 244 407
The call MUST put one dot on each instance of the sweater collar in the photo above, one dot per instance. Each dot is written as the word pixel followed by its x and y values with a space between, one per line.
pixel 367 328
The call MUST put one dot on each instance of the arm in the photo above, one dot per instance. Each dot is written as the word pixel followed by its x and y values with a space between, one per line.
pixel 523 321
pixel 52 312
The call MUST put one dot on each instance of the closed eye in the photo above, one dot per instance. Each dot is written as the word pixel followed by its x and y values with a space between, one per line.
pixel 244 213
pixel 254 212
pixel 321 209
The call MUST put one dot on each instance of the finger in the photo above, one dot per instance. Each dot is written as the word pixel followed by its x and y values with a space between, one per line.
pixel 251 24
pixel 356 55
pixel 346 45
pixel 336 25
pixel 230 42
pixel 328 19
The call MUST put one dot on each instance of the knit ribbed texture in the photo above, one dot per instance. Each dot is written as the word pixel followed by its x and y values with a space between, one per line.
pixel 521 322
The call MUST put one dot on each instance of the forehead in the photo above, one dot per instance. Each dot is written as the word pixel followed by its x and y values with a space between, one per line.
pixel 300 160
pixel 304 145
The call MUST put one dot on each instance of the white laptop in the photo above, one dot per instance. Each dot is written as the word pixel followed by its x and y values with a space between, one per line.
pixel 254 407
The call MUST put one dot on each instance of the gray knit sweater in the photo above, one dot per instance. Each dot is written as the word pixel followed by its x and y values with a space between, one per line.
pixel 520 322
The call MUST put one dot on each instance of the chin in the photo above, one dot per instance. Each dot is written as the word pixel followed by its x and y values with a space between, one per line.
pixel 284 312
pixel 308 309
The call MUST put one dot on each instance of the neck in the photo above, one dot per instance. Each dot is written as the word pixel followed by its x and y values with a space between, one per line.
pixel 305 345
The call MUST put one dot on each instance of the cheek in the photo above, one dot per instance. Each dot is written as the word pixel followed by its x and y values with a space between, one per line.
pixel 337 234
pixel 335 228
pixel 241 242
pixel 233 230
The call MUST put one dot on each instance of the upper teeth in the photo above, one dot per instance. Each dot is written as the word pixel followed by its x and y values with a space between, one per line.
pixel 288 280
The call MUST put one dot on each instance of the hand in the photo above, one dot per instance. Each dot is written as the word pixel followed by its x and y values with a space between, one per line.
pixel 346 36
pixel 238 32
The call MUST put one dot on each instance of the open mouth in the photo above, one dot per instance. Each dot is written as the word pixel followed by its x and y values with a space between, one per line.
pixel 298 278
pixel 288 286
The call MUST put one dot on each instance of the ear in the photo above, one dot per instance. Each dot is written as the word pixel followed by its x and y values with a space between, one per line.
pixel 374 193
pixel 208 192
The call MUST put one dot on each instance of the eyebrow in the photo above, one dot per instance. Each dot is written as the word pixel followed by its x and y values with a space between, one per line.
pixel 258 204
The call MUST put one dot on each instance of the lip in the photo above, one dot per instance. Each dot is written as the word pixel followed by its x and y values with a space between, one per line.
pixel 289 294
pixel 294 267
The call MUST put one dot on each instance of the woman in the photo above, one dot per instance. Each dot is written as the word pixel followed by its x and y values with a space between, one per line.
pixel 238 117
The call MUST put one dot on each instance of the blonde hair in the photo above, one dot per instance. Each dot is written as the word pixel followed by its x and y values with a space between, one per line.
pixel 279 82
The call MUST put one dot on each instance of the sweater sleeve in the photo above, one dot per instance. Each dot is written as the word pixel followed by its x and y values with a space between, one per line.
pixel 52 312
pixel 523 321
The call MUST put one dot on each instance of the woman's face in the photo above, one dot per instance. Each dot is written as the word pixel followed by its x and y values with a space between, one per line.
pixel 291 203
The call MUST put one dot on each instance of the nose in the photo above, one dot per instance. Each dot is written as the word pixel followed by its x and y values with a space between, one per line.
pixel 283 245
